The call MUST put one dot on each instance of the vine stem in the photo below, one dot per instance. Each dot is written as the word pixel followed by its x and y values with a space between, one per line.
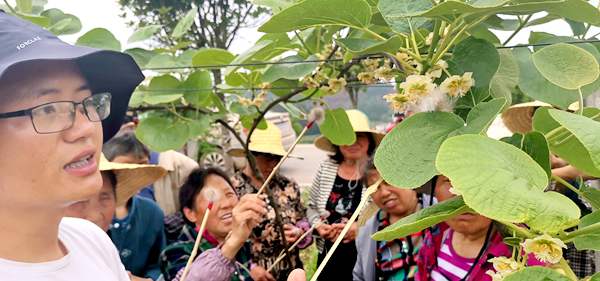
pixel 521 26
pixel 375 34
pixel 568 185
pixel 10 7
pixel 590 229
pixel 568 271
pixel 580 110
pixel 517 229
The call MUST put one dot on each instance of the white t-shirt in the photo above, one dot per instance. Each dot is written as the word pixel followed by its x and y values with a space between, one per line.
pixel 91 257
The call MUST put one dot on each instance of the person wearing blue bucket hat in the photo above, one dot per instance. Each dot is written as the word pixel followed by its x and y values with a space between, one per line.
pixel 58 104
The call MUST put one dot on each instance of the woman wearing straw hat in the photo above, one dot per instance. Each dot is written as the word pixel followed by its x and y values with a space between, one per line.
pixel 336 192
pixel 286 218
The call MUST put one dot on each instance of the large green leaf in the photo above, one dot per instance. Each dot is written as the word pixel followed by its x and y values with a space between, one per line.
pixel 536 273
pixel 197 88
pixel 165 61
pixel 61 23
pixel 422 219
pixel 163 89
pixel 266 48
pixel 592 195
pixel 535 144
pixel 141 56
pixel 24 6
pixel 100 38
pixel 184 59
pixel 275 5
pixel 212 57
pixel 290 71
pixel 35 19
pixel 572 137
pixel 185 23
pixel 478 56
pixel 397 13
pixel 506 78
pixel 337 127
pixel 309 13
pixel 503 183
pixel 160 133
pixel 409 162
pixel 144 33
pixel 359 46
pixel 595 277
pixel 567 66
pixel 589 241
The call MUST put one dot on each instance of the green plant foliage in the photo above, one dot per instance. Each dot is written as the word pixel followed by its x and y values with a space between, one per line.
pixel 266 48
pixel 161 133
pixel 397 13
pixel 592 195
pixel 212 57
pixel 309 13
pixel 185 23
pixel 566 66
pixel 360 46
pixel 478 56
pixel 100 38
pixel 201 82
pixel 163 89
pixel 589 241
pixel 291 71
pixel 503 183
pixel 337 128
pixel 61 23
pixel 162 61
pixel 141 56
pixel 572 137
pixel 422 219
pixel 144 33
pixel 506 79
pixel 536 273
pixel 535 144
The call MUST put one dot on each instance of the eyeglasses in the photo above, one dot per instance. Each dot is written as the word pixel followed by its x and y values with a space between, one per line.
pixel 54 117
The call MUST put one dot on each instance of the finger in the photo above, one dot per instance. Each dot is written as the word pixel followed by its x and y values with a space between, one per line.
pixel 269 277
pixel 297 275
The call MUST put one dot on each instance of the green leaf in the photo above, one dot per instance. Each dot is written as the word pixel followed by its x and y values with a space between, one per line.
pixel 535 144
pixel 588 241
pixel 197 88
pixel 422 219
pixel 572 137
pixel 61 23
pixel 24 6
pixel 185 23
pixel 536 273
pixel 100 38
pixel 184 59
pixel 163 89
pixel 537 37
pixel 397 13
pixel 291 71
pixel 160 133
pixel 482 32
pixel 482 115
pixel 199 127
pixel 162 61
pixel 578 28
pixel 360 46
pixel 595 277
pixel 266 48
pixel 567 66
pixel 141 56
pixel 516 139
pixel 275 5
pixel 309 13
pixel 337 127
pixel 400 147
pixel 137 98
pixel 248 121
pixel 144 33
pixel 591 195
pixel 506 78
pixel 477 56
pixel 38 20
pixel 212 57
pixel 503 183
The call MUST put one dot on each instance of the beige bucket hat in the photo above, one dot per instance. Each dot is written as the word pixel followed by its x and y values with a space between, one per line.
pixel 360 124
pixel 519 117
pixel 131 177
pixel 268 141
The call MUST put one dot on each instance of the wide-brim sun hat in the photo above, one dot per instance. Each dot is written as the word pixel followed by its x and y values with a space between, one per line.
pixel 519 117
pixel 131 177
pixel 104 70
pixel 267 141
pixel 360 124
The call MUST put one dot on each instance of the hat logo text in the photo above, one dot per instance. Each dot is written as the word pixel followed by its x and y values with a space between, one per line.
pixel 28 42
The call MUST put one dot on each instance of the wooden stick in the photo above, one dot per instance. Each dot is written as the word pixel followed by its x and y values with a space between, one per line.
pixel 197 243
pixel 285 156
pixel 352 219
pixel 282 255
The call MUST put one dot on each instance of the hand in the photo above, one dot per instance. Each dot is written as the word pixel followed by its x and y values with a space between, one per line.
pixel 337 230
pixel 351 234
pixel 297 275
pixel 259 273
pixel 247 214
pixel 291 232
pixel 325 231
pixel 136 278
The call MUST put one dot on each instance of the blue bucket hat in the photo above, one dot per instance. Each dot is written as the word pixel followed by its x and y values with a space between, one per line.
pixel 105 71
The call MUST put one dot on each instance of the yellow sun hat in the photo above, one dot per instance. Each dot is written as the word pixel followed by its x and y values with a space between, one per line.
pixel 131 177
pixel 268 141
pixel 519 117
pixel 360 124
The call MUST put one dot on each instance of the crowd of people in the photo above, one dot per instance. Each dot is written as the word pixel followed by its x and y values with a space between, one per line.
pixel 61 113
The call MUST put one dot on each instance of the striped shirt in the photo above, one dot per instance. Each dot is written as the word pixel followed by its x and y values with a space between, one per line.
pixel 450 265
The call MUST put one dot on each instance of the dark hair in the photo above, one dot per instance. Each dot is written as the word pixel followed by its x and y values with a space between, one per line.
pixel 338 157
pixel 369 167
pixel 125 144
pixel 194 184
pixel 113 180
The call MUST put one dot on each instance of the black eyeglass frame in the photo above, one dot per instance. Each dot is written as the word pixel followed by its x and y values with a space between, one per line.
pixel 28 112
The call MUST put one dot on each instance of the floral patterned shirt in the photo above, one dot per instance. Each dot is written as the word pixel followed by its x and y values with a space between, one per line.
pixel 267 239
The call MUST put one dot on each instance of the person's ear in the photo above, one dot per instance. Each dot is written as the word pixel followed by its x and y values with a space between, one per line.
pixel 190 214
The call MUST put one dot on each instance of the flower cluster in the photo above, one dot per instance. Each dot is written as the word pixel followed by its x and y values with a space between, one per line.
pixel 545 248
pixel 334 85
pixel 373 71
pixel 503 266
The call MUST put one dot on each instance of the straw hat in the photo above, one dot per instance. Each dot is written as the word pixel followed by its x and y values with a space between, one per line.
pixel 264 141
pixel 360 124
pixel 131 177
pixel 519 117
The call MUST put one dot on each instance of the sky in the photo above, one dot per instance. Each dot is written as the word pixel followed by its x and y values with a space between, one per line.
pixel 105 13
